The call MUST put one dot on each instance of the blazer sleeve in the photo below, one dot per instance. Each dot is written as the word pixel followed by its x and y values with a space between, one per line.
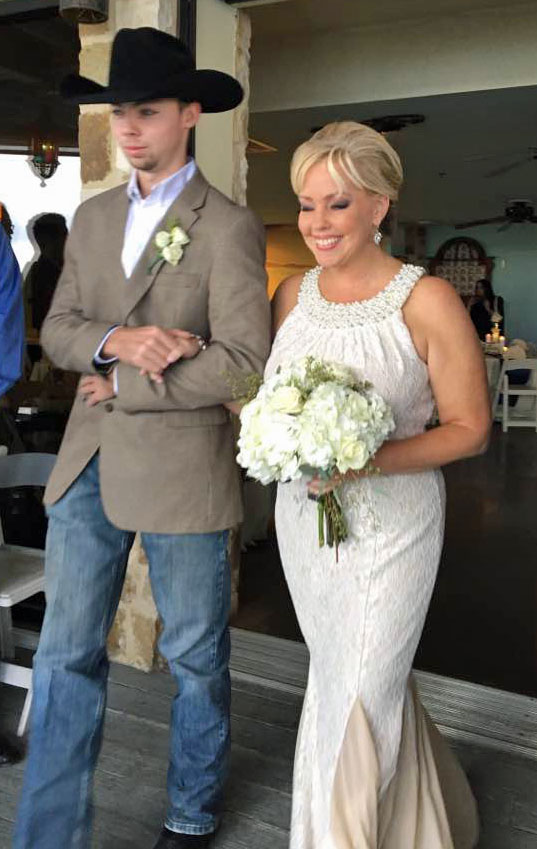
pixel 239 321
pixel 67 335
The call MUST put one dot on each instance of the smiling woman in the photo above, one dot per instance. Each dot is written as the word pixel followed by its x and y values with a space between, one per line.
pixel 335 222
pixel 366 751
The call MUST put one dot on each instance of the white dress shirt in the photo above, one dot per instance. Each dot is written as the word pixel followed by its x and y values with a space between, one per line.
pixel 144 215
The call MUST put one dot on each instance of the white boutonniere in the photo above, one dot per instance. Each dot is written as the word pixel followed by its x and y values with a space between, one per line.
pixel 170 245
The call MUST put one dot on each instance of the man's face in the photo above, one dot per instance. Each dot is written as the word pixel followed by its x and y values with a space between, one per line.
pixel 153 135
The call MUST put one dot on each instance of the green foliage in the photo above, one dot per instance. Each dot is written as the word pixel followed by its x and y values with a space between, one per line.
pixel 244 387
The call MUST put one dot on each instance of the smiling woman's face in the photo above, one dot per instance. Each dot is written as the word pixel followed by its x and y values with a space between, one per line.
pixel 337 224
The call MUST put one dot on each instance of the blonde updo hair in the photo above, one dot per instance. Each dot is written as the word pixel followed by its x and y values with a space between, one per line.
pixel 353 152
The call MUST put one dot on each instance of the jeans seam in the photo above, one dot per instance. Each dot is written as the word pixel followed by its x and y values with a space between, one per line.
pixel 223 560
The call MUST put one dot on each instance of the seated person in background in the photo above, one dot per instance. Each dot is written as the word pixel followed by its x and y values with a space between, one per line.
pixel 484 306
pixel 50 233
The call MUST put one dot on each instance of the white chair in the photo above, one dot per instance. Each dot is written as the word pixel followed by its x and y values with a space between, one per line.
pixel 509 415
pixel 21 570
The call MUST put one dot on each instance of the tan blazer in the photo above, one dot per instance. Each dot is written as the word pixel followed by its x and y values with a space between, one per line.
pixel 167 454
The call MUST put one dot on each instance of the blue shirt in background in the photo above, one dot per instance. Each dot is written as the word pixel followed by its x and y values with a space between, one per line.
pixel 11 316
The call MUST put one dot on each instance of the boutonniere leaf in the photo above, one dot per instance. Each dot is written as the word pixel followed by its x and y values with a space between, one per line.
pixel 170 245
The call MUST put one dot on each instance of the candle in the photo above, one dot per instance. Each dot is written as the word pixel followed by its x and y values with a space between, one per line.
pixel 488 338
pixel 502 340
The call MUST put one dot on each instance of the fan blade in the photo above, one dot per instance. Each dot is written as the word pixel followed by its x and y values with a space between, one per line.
pixel 505 169
pixel 466 224
pixel 481 157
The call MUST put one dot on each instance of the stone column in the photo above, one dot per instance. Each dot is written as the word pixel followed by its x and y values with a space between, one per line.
pixel 223 43
pixel 134 635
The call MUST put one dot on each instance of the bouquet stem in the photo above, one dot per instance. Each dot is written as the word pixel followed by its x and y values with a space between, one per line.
pixel 330 517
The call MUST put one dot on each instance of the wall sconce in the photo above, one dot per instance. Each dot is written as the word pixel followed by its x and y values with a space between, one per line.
pixel 84 11
pixel 43 159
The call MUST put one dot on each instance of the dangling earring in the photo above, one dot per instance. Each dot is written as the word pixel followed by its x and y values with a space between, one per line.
pixel 377 238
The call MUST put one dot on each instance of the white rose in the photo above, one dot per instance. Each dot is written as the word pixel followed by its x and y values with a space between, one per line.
pixel 287 399
pixel 351 454
pixel 172 253
pixel 162 239
pixel 179 237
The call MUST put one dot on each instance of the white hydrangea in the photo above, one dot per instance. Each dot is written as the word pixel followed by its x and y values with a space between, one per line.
pixel 300 421
pixel 268 443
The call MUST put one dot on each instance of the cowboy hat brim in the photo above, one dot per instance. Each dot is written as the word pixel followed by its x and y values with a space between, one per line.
pixel 214 90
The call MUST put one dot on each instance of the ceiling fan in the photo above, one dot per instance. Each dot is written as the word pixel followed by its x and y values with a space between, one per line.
pixel 387 123
pixel 531 156
pixel 516 212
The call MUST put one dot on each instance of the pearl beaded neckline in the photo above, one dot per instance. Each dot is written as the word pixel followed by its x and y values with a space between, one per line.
pixel 370 311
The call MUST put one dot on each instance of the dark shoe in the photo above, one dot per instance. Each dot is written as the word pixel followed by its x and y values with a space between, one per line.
pixel 172 840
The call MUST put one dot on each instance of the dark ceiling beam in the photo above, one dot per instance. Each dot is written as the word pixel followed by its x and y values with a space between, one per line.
pixel 49 32
pixel 9 75
pixel 22 51
pixel 61 47
pixel 27 7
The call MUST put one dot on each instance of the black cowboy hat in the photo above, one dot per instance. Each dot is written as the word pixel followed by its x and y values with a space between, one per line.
pixel 148 64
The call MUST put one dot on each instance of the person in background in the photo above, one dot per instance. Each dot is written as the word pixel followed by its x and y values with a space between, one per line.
pixel 11 359
pixel 50 233
pixel 484 306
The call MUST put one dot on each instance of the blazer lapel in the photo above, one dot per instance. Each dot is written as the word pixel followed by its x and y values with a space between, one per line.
pixel 184 211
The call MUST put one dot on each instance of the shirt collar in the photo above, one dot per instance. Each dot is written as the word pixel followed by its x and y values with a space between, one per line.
pixel 167 190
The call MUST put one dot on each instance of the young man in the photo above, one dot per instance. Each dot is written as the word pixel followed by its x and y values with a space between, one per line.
pixel 159 458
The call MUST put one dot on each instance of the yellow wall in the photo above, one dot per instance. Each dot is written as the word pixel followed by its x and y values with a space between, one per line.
pixel 286 254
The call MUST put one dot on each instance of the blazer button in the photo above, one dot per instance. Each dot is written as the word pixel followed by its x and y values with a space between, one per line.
pixel 108 406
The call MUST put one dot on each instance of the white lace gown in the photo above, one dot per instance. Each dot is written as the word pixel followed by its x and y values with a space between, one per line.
pixel 370 770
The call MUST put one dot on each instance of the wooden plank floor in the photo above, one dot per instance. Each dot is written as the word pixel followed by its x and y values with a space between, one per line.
pixel 130 780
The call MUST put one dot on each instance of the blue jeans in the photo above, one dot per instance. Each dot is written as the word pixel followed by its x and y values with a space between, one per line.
pixel 86 558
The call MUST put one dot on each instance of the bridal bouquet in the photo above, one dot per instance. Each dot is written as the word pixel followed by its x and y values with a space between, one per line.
pixel 312 418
